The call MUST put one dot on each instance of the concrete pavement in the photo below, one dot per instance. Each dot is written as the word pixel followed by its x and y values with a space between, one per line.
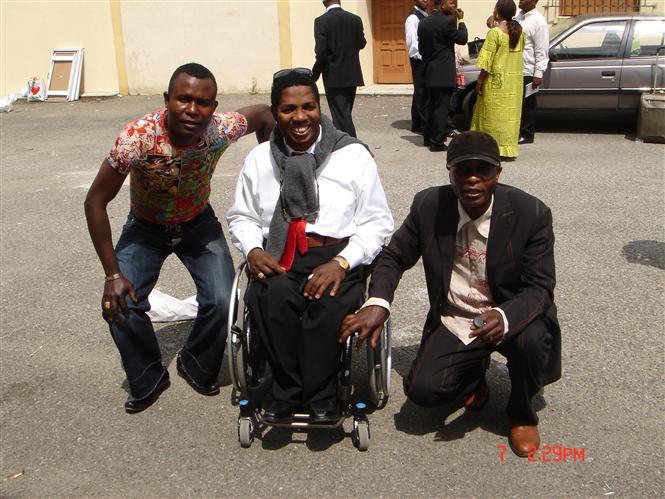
pixel 62 422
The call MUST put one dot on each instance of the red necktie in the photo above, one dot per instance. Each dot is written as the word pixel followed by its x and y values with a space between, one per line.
pixel 295 238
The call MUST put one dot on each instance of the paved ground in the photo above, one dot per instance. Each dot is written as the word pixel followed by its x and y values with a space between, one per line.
pixel 62 422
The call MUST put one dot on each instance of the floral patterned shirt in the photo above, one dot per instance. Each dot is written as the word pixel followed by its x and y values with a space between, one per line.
pixel 171 184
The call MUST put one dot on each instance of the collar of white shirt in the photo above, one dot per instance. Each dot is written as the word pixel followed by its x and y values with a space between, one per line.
pixel 482 223
pixel 420 10
pixel 311 148
pixel 333 6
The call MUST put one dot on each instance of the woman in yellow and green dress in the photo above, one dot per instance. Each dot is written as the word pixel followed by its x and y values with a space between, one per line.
pixel 499 86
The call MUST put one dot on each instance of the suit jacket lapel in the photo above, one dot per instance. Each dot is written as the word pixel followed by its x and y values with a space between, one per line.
pixel 445 226
pixel 501 230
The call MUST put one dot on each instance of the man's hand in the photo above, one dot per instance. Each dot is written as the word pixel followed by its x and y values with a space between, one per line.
pixel 262 264
pixel 536 82
pixel 114 298
pixel 492 331
pixel 323 276
pixel 459 14
pixel 367 322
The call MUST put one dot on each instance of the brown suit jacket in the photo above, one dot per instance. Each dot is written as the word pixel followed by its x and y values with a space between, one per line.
pixel 520 259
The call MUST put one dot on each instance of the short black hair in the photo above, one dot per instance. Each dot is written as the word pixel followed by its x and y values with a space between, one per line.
pixel 292 80
pixel 192 69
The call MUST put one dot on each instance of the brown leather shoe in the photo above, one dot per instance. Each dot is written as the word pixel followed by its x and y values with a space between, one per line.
pixel 524 439
pixel 477 400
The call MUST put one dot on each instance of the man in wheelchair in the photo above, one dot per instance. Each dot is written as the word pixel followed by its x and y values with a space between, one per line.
pixel 309 213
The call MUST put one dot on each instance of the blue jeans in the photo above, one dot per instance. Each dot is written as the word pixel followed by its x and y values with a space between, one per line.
pixel 201 247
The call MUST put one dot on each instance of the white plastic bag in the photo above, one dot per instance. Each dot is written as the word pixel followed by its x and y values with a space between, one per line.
pixel 166 308
pixel 36 89
pixel 6 103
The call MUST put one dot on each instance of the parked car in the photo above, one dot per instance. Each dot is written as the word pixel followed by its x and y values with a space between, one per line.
pixel 596 62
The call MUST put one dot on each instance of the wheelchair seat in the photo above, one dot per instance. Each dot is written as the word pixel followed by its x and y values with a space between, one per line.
pixel 250 374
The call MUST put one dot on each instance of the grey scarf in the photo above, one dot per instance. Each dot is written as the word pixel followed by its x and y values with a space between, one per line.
pixel 299 196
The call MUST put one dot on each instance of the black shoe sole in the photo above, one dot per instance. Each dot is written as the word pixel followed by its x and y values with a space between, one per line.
pixel 207 392
pixel 136 406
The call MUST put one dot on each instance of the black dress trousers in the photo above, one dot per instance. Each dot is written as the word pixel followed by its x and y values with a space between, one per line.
pixel 301 335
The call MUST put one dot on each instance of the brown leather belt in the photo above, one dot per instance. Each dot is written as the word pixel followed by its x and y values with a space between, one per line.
pixel 316 241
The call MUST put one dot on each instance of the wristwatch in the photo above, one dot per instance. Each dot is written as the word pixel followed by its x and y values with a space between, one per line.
pixel 343 262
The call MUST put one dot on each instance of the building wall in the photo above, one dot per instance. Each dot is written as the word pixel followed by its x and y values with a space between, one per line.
pixel 237 40
pixel 133 47
pixel 31 30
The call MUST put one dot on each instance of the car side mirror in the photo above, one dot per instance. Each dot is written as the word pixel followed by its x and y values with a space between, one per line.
pixel 553 55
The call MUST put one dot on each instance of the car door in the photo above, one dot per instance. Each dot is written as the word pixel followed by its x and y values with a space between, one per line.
pixel 641 63
pixel 585 67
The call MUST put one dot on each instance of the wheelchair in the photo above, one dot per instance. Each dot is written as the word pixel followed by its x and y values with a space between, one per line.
pixel 251 378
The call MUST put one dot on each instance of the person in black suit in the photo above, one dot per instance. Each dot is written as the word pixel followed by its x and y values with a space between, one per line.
pixel 437 36
pixel 339 37
pixel 488 256
pixel 418 102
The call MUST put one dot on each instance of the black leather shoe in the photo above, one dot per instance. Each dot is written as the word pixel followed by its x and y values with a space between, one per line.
pixel 324 411
pixel 132 406
pixel 209 390
pixel 523 141
pixel 279 411
pixel 440 148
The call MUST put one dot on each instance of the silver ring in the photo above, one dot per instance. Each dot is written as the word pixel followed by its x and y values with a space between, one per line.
pixel 310 276
pixel 261 275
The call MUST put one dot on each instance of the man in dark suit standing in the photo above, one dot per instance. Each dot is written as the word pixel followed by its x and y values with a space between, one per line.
pixel 437 36
pixel 339 37
pixel 418 102
pixel 488 256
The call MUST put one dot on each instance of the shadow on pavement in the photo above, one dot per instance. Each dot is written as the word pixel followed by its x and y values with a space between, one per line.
pixel 650 253
pixel 415 420
pixel 589 122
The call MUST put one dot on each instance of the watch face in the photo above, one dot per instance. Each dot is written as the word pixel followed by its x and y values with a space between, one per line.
pixel 342 262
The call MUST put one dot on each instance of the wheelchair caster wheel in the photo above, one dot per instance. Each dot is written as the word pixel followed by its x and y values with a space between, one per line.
pixel 360 434
pixel 245 432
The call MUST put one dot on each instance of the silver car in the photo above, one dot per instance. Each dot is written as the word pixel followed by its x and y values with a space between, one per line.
pixel 596 62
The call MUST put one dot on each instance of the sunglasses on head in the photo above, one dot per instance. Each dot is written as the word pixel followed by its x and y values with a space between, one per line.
pixel 286 72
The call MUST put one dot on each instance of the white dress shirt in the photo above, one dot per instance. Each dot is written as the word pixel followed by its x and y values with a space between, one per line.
pixel 351 202
pixel 536 42
pixel 411 33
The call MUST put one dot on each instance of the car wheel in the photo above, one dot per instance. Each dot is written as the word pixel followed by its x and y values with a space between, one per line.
pixel 464 120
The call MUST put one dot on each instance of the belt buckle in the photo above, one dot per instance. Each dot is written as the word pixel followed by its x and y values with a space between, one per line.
pixel 173 228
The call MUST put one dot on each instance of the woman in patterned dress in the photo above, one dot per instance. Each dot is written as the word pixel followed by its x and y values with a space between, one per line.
pixel 499 86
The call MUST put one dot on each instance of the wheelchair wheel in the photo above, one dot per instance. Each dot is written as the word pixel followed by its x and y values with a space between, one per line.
pixel 235 330
pixel 379 367
pixel 245 432
pixel 360 435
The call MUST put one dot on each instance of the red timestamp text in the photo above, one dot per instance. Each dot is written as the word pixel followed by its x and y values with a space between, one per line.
pixel 550 454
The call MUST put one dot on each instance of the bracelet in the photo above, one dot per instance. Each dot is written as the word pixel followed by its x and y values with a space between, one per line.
pixel 112 277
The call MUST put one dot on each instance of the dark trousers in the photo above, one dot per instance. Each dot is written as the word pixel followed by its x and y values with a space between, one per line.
pixel 301 336
pixel 141 251
pixel 340 101
pixel 438 104
pixel 445 368
pixel 419 100
pixel 528 122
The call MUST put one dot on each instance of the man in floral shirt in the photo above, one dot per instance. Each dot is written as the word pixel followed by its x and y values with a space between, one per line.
pixel 170 156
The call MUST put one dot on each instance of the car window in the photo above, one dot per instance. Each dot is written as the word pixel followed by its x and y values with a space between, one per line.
pixel 648 36
pixel 592 41
pixel 561 25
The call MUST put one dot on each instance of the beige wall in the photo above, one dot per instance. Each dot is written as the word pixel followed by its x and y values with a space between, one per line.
pixel 242 42
pixel 31 30
pixel 237 40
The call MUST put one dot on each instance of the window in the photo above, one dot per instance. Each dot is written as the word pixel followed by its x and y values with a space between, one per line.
pixel 593 41
pixel 648 37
